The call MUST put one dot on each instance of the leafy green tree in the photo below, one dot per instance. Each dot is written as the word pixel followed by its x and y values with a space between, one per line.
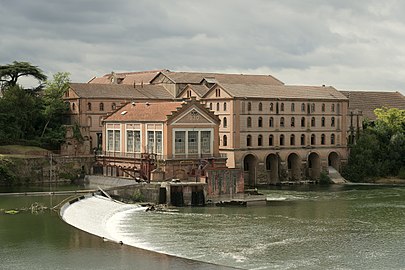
pixel 380 150
pixel 19 114
pixel 54 106
pixel 9 74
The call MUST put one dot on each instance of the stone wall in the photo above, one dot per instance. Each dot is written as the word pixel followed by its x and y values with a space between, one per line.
pixel 41 170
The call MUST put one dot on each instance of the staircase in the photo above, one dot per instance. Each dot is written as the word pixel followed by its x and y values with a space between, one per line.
pixel 335 176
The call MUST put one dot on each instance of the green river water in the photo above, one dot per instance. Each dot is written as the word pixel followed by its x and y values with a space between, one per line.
pixel 338 227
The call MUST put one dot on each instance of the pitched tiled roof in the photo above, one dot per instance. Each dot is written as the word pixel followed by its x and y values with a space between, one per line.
pixel 197 77
pixel 283 91
pixel 200 89
pixel 127 77
pixel 144 112
pixel 367 101
pixel 147 91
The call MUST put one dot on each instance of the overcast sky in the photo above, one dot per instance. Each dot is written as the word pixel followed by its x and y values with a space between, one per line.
pixel 351 45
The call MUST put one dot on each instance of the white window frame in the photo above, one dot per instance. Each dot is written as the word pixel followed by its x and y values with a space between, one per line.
pixel 186 130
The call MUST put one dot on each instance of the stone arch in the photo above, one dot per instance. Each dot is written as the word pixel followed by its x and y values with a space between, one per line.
pixel 272 163
pixel 294 167
pixel 314 166
pixel 249 169
pixel 334 160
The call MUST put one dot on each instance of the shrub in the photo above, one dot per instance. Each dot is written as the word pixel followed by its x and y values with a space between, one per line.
pixel 401 173
pixel 324 179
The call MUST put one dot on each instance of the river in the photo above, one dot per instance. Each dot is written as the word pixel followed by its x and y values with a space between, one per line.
pixel 308 227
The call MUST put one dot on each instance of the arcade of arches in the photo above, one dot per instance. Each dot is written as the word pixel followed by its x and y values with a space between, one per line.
pixel 273 169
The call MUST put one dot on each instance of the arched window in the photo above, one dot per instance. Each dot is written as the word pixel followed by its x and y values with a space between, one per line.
pixel 259 140
pixel 312 121
pixel 302 121
pixel 292 121
pixel 73 106
pixel 248 140
pixel 249 122
pixel 323 139
pixel 332 139
pixel 89 106
pixel 313 139
pixel 323 121
pixel 271 122
pixel 271 140
pixel 271 107
pixel 260 122
pixel 292 139
pixel 282 122
pixel 281 139
pixel 224 106
pixel 260 106
pixel 332 122
pixel 225 122
pixel 338 108
pixel 211 106
pixel 101 106
pixel 303 139
pixel 333 107
pixel 217 106
pixel 249 106
pixel 113 106
pixel 293 107
pixel 303 107
pixel 225 140
pixel 323 107
pixel 313 107
pixel 282 107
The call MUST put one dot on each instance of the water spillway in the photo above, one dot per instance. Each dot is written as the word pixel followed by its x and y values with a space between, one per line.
pixel 92 214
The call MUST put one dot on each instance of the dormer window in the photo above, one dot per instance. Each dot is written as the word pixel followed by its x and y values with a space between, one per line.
pixel 188 93
pixel 217 92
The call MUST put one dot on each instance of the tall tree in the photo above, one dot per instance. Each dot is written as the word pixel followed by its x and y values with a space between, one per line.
pixel 9 74
pixel 54 106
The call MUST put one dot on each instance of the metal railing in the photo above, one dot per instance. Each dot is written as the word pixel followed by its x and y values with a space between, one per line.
pixel 158 156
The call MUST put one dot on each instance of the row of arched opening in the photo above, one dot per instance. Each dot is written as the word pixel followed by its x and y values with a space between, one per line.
pixel 293 171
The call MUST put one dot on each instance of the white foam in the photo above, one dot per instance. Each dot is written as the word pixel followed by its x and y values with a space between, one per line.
pixel 93 215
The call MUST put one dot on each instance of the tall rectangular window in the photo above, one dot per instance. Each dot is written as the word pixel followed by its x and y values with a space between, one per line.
pixel 180 142
pixel 130 141
pixel 133 141
pixel 110 140
pixel 117 140
pixel 205 142
pixel 193 142
pixel 159 142
pixel 151 141
pixel 137 138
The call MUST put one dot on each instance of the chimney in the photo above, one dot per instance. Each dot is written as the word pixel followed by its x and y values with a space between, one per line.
pixel 113 78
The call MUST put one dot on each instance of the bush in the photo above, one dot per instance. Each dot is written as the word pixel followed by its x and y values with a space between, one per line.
pixel 324 179
pixel 7 177
pixel 401 173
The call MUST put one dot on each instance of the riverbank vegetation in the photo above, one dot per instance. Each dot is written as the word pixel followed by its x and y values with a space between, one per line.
pixel 32 116
pixel 380 149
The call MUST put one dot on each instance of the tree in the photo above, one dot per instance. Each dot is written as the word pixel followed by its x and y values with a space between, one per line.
pixel 54 107
pixel 9 74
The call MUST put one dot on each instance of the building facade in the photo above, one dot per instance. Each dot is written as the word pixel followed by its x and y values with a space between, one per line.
pixel 272 131
pixel 160 141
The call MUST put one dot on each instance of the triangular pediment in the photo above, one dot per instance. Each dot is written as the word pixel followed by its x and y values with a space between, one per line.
pixel 193 116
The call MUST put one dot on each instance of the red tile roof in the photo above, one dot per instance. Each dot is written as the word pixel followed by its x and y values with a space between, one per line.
pixel 148 91
pixel 283 91
pixel 197 77
pixel 155 112
pixel 367 101
pixel 128 78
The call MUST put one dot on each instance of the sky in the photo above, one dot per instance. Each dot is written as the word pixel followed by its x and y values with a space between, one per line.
pixel 351 45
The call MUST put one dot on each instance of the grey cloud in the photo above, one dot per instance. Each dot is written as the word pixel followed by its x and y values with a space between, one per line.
pixel 298 40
